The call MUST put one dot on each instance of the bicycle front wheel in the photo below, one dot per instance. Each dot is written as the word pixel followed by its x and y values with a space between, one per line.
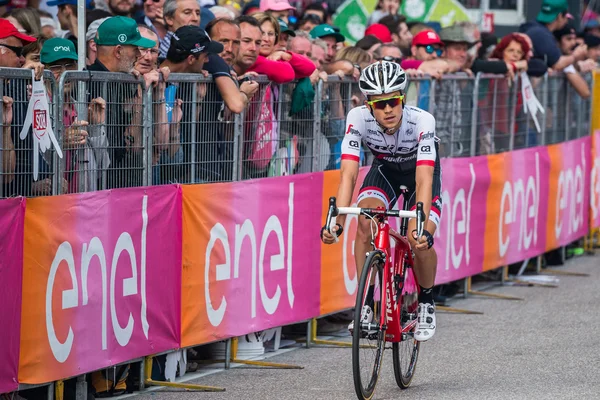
pixel 406 353
pixel 368 340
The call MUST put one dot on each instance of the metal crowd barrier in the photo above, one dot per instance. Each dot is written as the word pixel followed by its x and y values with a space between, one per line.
pixel 180 132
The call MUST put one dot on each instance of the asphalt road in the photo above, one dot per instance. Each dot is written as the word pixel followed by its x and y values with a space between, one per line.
pixel 545 347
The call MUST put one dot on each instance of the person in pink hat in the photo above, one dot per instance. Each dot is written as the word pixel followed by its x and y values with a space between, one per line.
pixel 277 8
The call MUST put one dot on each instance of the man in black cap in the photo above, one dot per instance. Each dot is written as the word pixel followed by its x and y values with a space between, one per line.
pixel 593 44
pixel 566 38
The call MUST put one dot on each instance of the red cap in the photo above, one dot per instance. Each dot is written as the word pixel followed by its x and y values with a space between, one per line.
pixel 380 31
pixel 424 38
pixel 7 30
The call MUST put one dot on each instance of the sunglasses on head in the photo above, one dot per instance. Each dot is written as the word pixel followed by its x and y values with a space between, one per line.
pixel 430 49
pixel 381 104
pixel 17 50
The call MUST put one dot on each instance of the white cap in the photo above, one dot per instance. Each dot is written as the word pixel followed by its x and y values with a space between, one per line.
pixel 93 29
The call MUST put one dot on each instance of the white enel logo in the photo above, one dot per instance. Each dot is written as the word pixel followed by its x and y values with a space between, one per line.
pixel 61 48
pixel 569 194
pixel 595 188
pixel 523 204
pixel 218 233
pixel 70 297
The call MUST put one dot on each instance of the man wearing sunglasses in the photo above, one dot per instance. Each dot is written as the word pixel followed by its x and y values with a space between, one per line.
pixel 11 45
pixel 403 141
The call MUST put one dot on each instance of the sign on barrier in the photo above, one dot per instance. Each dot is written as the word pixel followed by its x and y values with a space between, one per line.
pixel 12 213
pixel 251 256
pixel 101 280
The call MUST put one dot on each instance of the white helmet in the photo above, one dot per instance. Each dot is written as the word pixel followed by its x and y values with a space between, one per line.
pixel 382 77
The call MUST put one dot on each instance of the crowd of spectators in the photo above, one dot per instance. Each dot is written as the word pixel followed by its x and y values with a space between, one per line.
pixel 233 42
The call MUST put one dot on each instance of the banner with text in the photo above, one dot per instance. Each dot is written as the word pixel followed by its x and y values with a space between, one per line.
pixel 101 280
pixel 12 214
pixel 251 256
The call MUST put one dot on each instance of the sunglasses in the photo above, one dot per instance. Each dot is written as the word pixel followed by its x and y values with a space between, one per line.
pixel 429 49
pixel 381 104
pixel 17 50
pixel 59 68
pixel 154 1
pixel 392 59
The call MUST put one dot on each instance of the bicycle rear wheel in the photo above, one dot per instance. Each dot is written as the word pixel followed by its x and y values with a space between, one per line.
pixel 406 353
pixel 368 340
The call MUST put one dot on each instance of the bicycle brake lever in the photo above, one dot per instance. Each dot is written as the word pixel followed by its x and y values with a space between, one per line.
pixel 420 219
pixel 330 222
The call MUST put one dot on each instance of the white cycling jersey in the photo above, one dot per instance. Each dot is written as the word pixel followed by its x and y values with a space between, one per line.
pixel 412 145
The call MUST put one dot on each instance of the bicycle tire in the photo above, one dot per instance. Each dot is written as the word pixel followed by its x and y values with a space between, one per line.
pixel 405 354
pixel 374 261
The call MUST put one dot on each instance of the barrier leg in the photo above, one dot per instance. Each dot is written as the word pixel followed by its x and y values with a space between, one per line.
pixel 81 388
pixel 457 310
pixel 308 333
pixel 228 354
pixel 491 295
pixel 312 337
pixel 50 391
pixel 147 377
pixel 234 348
pixel 59 390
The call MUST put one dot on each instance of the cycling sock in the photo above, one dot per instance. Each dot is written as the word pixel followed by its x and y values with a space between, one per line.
pixel 369 300
pixel 426 295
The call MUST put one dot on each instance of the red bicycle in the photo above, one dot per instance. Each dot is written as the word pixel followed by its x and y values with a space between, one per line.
pixel 394 310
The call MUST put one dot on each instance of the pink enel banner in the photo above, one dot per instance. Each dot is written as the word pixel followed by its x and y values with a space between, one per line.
pixel 595 182
pixel 101 280
pixel 251 256
pixel 12 213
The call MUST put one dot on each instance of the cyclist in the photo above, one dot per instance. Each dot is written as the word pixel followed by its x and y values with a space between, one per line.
pixel 402 140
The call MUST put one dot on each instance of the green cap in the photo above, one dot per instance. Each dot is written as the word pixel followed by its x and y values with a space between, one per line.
pixel 121 31
pixel 57 49
pixel 551 9
pixel 324 30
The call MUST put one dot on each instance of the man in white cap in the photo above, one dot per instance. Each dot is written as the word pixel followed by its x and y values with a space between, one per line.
pixel 90 35
pixel 277 8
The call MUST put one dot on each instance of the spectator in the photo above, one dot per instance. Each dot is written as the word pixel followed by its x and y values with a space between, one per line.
pixel 592 27
pixel 277 8
pixel 251 7
pixel 427 46
pixel 319 53
pixel 380 31
pixel 488 44
pixel 371 44
pixel 118 44
pixel 593 44
pixel 67 17
pixel 18 152
pixel 308 22
pixel 27 19
pixel 392 52
pixel 154 19
pixel 456 45
pixel 401 35
pixel 330 36
pixel 418 27
pixel 205 17
pixel 473 35
pixel 566 42
pixel 178 13
pixel 300 43
pixel 49 27
pixel 384 8
pixel 249 59
pixel 317 10
pixel 284 35
pixel 302 66
pixel 226 32
pixel 222 12
pixel 59 55
pixel 31 51
pixel 552 17
pixel 90 37
pixel 123 8
pixel 355 55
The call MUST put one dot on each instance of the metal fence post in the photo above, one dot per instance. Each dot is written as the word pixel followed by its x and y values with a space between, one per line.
pixel 238 146
pixel 316 148
pixel 545 105
pixel 513 115
pixel 148 129
pixel 474 116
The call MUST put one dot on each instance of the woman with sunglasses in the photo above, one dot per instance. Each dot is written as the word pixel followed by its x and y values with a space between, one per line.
pixel 402 139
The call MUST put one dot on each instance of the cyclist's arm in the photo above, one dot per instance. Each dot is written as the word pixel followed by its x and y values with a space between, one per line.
pixel 426 157
pixel 350 159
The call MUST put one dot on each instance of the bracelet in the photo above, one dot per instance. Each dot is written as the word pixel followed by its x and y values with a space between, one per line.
pixel 514 66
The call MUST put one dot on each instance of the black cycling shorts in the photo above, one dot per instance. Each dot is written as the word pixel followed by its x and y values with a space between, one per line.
pixel 383 184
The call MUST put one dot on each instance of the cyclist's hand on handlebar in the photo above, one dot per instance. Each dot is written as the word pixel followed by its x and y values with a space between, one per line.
pixel 425 242
pixel 327 237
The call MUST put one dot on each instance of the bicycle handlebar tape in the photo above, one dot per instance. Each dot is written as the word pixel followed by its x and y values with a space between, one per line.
pixel 420 219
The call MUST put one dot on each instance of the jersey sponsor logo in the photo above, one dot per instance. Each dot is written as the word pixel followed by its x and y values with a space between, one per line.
pixel 397 160
pixel 425 136
pixel 426 149
pixel 411 122
pixel 354 144
pixel 369 120
pixel 409 132
pixel 409 141
pixel 352 131
pixel 373 132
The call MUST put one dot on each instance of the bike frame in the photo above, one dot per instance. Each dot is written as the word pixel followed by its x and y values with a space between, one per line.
pixel 394 272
